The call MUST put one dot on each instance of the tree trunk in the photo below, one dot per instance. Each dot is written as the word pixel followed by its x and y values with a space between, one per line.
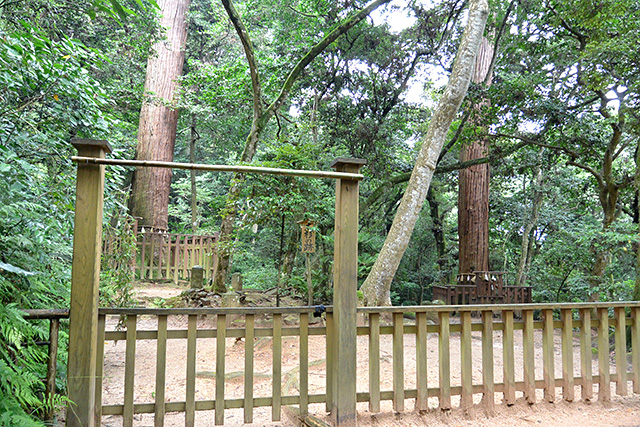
pixel 262 115
pixel 158 119
pixel 376 288
pixel 194 188
pixel 530 223
pixel 473 192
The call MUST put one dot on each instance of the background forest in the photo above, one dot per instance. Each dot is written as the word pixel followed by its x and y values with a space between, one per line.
pixel 558 118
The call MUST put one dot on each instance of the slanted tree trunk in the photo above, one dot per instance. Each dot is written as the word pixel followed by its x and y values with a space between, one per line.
pixel 262 115
pixel 376 288
pixel 158 119
pixel 473 192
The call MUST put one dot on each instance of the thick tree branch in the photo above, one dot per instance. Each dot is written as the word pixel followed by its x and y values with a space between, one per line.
pixel 245 39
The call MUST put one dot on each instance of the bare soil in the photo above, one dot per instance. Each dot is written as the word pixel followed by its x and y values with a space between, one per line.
pixel 621 411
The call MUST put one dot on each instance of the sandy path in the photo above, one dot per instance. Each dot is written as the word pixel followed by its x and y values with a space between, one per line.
pixel 622 411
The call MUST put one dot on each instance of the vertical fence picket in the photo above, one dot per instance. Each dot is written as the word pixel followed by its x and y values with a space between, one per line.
pixel 621 351
pixel 248 368
pixel 221 341
pixel 168 259
pixel 508 358
pixel 152 256
pixel 161 367
pixel 635 348
pixel 129 371
pixel 304 364
pixel 604 390
pixel 421 362
pixel 277 366
pixel 398 362
pixel 160 237
pixel 99 369
pixel 444 361
pixel 466 364
pixel 567 355
pixel 528 357
pixel 176 258
pixel 330 362
pixel 190 401
pixel 586 369
pixel 548 363
pixel 143 257
pixel 374 363
pixel 185 257
pixel 488 381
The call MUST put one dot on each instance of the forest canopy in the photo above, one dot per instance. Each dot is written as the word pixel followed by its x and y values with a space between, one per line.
pixel 295 84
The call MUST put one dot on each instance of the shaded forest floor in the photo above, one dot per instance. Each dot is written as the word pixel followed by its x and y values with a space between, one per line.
pixel 621 412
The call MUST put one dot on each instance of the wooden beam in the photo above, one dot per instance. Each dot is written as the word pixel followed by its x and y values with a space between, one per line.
pixel 345 283
pixel 85 277
pixel 346 174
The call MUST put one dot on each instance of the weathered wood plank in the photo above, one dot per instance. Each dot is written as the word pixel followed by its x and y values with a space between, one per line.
pixel 635 348
pixel 190 401
pixel 604 390
pixel 621 351
pixel 161 368
pixel 85 277
pixel 508 358
pixel 129 371
pixel 548 360
pixel 99 369
pixel 221 344
pixel 528 357
pixel 586 369
pixel 398 362
pixel 466 399
pixel 248 368
pixel 567 355
pixel 374 362
pixel 444 362
pixel 421 363
pixel 488 381
pixel 304 364
pixel 276 384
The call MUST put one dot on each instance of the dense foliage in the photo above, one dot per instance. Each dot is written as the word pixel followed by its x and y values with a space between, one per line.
pixel 563 126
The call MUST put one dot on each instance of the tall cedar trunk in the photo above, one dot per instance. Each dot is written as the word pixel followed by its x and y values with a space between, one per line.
pixel 262 116
pixel 158 120
pixel 530 223
pixel 473 192
pixel 376 288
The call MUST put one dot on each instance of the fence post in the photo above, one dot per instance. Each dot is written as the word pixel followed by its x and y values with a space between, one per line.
pixel 85 276
pixel 345 282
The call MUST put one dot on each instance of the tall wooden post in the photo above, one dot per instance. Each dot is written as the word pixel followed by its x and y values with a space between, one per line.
pixel 345 282
pixel 85 275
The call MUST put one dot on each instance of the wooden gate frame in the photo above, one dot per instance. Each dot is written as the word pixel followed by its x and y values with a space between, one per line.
pixel 82 411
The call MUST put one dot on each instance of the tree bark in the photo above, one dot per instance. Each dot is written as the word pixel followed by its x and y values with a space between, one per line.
pixel 376 288
pixel 473 192
pixel 159 119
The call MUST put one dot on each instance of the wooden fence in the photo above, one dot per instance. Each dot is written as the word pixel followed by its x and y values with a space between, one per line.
pixel 570 338
pixel 170 256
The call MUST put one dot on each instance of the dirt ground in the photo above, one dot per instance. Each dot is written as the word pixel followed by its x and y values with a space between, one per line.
pixel 621 411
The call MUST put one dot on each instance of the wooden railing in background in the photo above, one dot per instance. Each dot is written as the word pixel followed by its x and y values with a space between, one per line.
pixel 566 322
pixel 170 256
pixel 53 316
